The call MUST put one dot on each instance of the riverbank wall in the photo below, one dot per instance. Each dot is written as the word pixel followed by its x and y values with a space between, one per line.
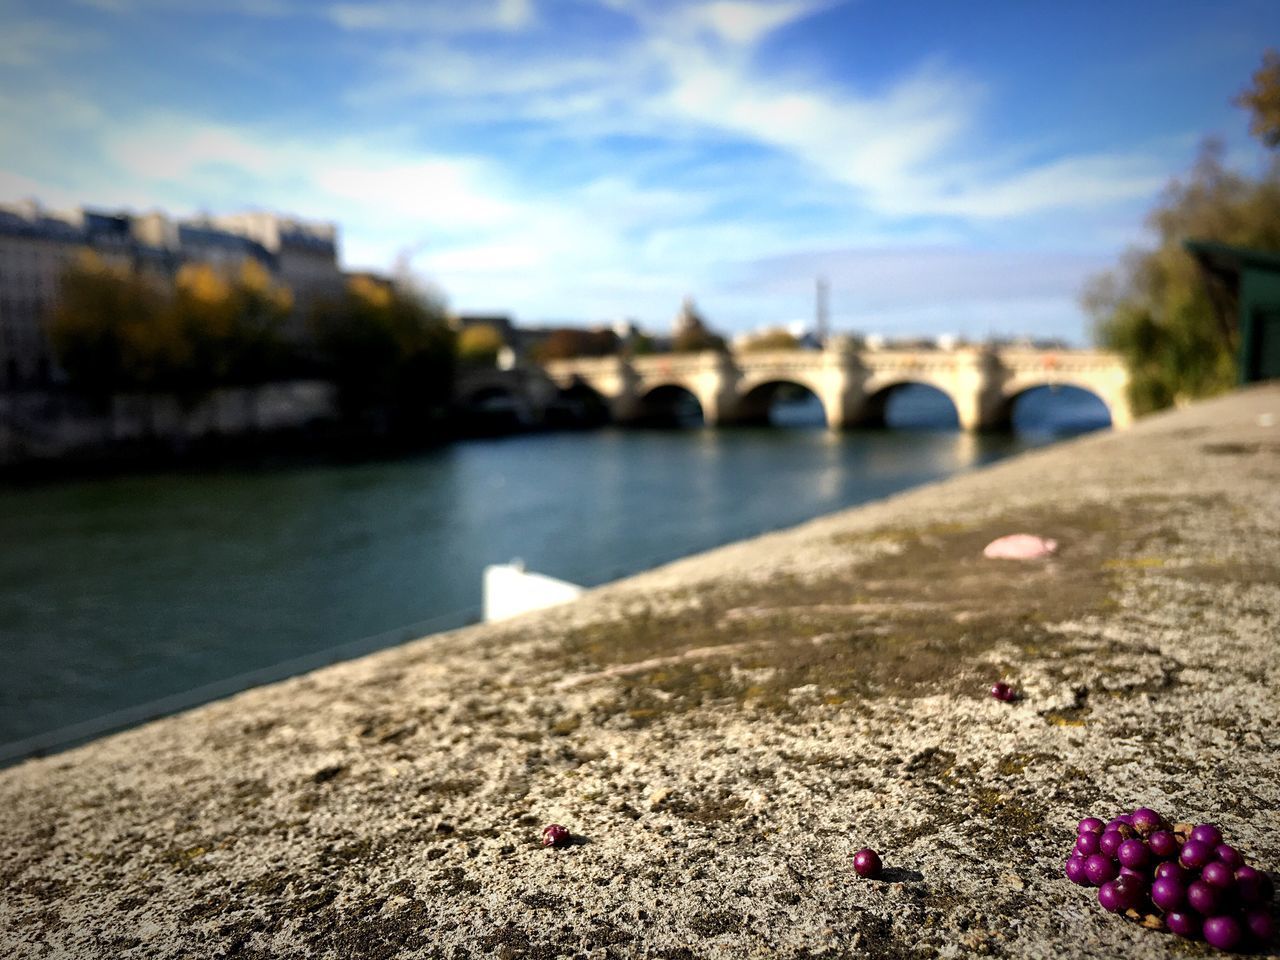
pixel 721 735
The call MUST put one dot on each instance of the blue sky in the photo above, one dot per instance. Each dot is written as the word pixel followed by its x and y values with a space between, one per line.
pixel 949 167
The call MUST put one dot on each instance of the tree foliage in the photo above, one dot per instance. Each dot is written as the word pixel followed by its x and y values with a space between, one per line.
pixel 1177 327
pixel 1262 100
pixel 569 342
pixel 479 344
pixel 390 353
pixel 120 328
pixel 768 340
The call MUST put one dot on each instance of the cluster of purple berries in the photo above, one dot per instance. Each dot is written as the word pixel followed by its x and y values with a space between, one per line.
pixel 1201 885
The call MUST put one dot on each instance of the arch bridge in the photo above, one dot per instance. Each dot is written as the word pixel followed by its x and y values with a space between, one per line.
pixel 853 385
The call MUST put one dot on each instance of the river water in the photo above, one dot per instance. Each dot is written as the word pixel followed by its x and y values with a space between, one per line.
pixel 116 593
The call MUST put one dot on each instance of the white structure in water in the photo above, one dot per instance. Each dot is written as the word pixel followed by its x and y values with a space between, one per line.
pixel 509 590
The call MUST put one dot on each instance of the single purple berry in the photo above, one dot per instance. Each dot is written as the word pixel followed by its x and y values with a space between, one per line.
pixel 1116 824
pixel 1195 854
pixel 1076 872
pixel 1132 874
pixel 1090 825
pixel 1260 924
pixel 1133 892
pixel 554 835
pixel 1252 886
pixel 1218 874
pixel 1172 871
pixel 1110 842
pixel 1229 855
pixel 1087 844
pixel 1207 833
pixel 1111 897
pixel 1003 692
pixel 1133 853
pixel 1224 932
pixel 1203 898
pixel 1184 923
pixel 1100 869
pixel 866 863
pixel 1168 894
pixel 1146 820
pixel 1162 844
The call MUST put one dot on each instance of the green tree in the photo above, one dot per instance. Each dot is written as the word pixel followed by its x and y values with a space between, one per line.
pixel 1159 309
pixel 390 353
pixel 1176 326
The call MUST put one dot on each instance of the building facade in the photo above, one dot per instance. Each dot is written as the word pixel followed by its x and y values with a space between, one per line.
pixel 37 245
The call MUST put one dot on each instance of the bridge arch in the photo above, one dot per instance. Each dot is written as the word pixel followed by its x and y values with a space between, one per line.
pixel 756 402
pixel 875 404
pixel 1002 413
pixel 579 404
pixel 671 404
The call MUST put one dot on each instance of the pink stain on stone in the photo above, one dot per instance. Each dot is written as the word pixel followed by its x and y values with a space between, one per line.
pixel 1020 546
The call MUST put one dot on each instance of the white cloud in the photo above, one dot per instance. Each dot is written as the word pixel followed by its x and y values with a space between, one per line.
pixel 28 43
pixel 468 16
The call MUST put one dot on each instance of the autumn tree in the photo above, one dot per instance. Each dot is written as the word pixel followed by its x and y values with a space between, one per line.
pixel 1262 100
pixel 776 339
pixel 112 330
pixel 569 342
pixel 1158 309
pixel 390 353
pixel 479 344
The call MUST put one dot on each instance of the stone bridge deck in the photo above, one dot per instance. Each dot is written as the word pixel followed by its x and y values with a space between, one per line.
pixel 853 385
pixel 722 734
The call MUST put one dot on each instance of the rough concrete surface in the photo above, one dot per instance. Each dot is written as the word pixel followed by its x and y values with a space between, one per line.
pixel 721 735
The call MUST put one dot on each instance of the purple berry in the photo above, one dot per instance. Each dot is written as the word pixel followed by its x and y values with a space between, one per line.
pixel 1087 844
pixel 1184 923
pixel 1133 853
pixel 1003 692
pixel 1111 896
pixel 1172 871
pixel 1202 898
pixel 1195 854
pixel 1090 825
pixel 1076 872
pixel 1260 923
pixel 1133 892
pixel 1133 874
pixel 554 835
pixel 1168 894
pixel 1207 833
pixel 1146 820
pixel 1252 886
pixel 866 863
pixel 1110 842
pixel 1162 844
pixel 1228 855
pixel 1100 869
pixel 1223 932
pixel 1218 874
pixel 1117 823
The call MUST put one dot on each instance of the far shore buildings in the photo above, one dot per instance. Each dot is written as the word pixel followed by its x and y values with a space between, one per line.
pixel 36 245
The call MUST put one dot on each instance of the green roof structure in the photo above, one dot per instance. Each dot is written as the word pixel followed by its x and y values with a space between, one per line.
pixel 1251 279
